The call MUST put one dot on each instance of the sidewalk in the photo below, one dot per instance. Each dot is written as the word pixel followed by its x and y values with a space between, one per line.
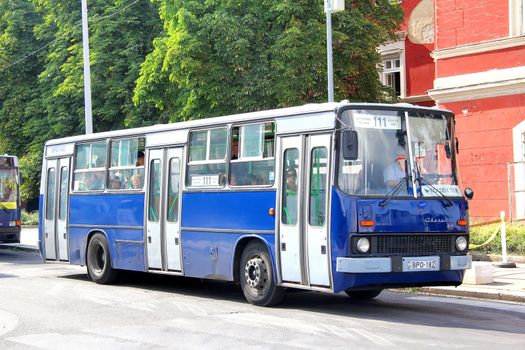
pixel 508 283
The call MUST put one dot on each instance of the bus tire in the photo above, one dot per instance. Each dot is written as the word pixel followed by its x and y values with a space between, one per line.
pixel 99 261
pixel 257 277
pixel 363 294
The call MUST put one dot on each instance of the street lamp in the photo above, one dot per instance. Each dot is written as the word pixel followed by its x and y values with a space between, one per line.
pixel 87 73
pixel 329 7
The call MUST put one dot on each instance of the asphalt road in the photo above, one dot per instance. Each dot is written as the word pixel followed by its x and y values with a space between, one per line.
pixel 54 306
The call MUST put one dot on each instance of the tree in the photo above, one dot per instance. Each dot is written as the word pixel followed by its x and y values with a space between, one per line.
pixel 41 96
pixel 218 57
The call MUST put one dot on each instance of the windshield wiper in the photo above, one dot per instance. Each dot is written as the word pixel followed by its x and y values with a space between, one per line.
pixel 421 179
pixel 394 191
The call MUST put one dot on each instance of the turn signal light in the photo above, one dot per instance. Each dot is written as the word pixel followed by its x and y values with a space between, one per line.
pixel 367 223
pixel 18 223
pixel 462 222
pixel 271 211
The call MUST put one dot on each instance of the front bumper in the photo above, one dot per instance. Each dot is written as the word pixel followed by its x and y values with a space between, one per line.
pixel 10 234
pixel 396 264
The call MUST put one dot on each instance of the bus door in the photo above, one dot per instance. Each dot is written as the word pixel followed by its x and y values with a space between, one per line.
pixel 163 219
pixel 56 208
pixel 303 211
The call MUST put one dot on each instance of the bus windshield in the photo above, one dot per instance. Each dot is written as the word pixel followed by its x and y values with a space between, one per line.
pixel 396 153
pixel 9 188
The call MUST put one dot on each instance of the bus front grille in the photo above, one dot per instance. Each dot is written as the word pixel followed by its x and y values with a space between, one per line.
pixel 415 244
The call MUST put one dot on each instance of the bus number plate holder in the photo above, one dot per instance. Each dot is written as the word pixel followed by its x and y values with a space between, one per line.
pixel 427 263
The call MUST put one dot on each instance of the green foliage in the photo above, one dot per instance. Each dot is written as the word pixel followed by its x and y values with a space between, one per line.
pixel 218 57
pixel 515 239
pixel 29 218
pixel 170 60
pixel 42 97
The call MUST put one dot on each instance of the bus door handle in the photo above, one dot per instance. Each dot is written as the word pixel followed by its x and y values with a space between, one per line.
pixel 64 235
pixel 323 249
pixel 149 239
pixel 176 240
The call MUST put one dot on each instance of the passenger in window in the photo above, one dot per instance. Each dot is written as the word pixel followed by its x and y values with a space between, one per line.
pixel 115 183
pixel 136 182
pixel 140 158
pixel 291 180
pixel 94 181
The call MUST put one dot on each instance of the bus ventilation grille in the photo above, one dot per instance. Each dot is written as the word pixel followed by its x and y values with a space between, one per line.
pixel 415 244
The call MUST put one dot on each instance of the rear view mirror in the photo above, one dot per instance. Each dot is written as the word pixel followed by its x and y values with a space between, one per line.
pixel 469 193
pixel 349 145
pixel 447 150
pixel 457 145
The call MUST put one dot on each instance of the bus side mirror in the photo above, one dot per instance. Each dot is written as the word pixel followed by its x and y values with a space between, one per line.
pixel 469 193
pixel 457 146
pixel 448 153
pixel 349 145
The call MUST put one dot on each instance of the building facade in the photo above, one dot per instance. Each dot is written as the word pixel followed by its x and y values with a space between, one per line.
pixel 468 56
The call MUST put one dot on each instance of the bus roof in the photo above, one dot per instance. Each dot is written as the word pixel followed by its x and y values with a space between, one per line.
pixel 242 117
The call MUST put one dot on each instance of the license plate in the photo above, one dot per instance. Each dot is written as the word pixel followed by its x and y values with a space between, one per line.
pixel 421 264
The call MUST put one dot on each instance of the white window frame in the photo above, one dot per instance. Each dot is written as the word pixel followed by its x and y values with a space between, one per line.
pixel 516 17
pixel 388 52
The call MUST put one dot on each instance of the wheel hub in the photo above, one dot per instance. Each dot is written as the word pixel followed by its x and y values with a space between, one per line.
pixel 255 273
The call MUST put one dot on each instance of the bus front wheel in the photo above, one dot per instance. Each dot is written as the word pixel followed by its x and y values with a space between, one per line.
pixel 257 277
pixel 99 261
pixel 363 294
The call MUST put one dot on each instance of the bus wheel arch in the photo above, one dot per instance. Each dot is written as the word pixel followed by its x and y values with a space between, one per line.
pixel 256 275
pixel 98 259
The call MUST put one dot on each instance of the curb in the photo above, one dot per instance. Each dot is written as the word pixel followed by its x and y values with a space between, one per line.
pixel 497 295
pixel 20 248
pixel 497 258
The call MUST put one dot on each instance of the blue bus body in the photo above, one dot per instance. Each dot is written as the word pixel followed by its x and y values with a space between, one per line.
pixel 10 211
pixel 217 227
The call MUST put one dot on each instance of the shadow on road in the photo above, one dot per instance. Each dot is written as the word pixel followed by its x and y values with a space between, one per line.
pixel 402 308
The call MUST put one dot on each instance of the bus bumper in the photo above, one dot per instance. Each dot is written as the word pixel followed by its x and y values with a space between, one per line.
pixel 401 264
pixel 10 234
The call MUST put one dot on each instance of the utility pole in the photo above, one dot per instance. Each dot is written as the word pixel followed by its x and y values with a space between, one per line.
pixel 87 72
pixel 329 7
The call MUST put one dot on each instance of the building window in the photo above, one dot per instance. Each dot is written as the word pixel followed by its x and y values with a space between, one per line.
pixel 392 71
pixel 523 146
pixel 391 75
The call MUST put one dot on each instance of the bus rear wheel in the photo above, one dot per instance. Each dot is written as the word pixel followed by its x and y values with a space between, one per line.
pixel 99 261
pixel 257 277
pixel 363 294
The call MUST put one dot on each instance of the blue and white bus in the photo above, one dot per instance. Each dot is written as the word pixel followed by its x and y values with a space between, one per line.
pixel 10 211
pixel 290 198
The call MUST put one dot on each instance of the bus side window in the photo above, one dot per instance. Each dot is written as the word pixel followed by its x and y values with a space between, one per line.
pixel 207 157
pixel 252 160
pixel 127 164
pixel 90 167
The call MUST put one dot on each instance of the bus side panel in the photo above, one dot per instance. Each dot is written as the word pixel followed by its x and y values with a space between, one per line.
pixel 119 216
pixel 343 222
pixel 107 210
pixel 126 247
pixel 212 224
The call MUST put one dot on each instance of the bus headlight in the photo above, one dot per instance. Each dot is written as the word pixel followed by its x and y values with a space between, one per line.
pixel 461 243
pixel 363 245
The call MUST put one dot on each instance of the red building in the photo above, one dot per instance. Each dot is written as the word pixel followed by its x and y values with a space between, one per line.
pixel 468 56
